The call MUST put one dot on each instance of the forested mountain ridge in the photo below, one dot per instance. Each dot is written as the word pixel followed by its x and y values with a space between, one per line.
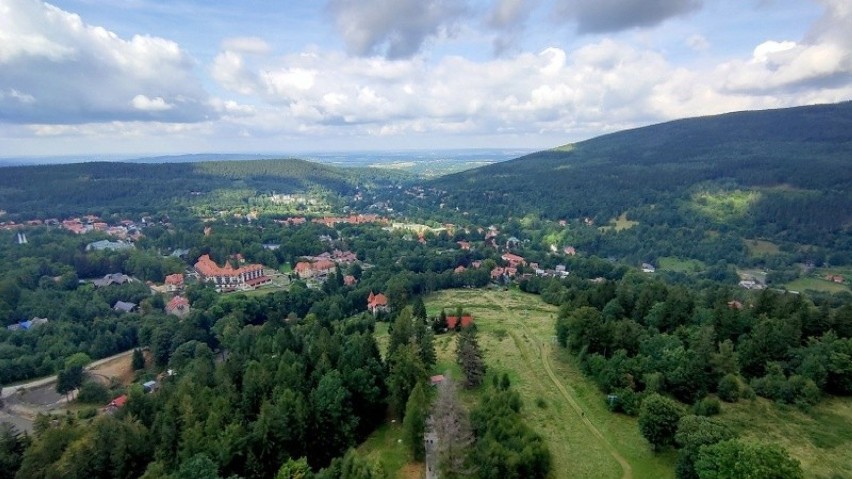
pixel 72 189
pixel 790 167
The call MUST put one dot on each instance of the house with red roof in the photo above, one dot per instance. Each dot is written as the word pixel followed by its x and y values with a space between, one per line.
pixel 514 260
pixel 453 321
pixel 174 282
pixel 116 404
pixel 228 278
pixel 178 306
pixel 377 303
pixel 310 269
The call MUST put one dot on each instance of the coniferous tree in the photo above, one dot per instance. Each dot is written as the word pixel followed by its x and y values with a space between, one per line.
pixel 138 360
pixel 469 357
pixel 414 424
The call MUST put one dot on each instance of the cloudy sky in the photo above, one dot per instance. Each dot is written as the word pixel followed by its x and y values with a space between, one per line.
pixel 183 76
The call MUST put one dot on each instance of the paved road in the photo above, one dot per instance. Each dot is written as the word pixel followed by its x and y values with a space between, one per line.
pixel 8 391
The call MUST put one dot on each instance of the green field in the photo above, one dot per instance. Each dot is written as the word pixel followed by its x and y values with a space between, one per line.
pixel 761 247
pixel 620 223
pixel 816 284
pixel 680 265
pixel 724 205
pixel 516 334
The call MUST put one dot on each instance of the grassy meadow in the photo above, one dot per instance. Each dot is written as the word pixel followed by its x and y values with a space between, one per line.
pixel 516 335
pixel 680 265
pixel 816 284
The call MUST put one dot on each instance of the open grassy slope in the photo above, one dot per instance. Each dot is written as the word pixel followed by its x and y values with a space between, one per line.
pixel 515 332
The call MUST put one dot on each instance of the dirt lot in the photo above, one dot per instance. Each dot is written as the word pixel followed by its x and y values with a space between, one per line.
pixel 119 369
pixel 20 408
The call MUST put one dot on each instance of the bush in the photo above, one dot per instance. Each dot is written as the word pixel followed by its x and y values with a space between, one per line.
pixel 87 413
pixel 707 407
pixel 92 392
pixel 729 389
pixel 625 401
pixel 658 420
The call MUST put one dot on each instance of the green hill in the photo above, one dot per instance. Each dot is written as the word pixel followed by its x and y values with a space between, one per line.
pixel 60 190
pixel 782 174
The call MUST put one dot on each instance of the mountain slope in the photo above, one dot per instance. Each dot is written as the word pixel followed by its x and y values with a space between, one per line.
pixel 783 173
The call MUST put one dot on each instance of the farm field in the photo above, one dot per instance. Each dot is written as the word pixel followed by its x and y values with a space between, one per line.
pixel 515 333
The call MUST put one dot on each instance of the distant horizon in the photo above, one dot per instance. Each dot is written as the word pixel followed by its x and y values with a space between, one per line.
pixel 307 155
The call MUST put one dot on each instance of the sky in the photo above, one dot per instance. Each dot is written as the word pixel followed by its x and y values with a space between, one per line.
pixel 151 77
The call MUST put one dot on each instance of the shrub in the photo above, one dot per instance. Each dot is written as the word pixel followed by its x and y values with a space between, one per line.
pixel 707 407
pixel 729 389
pixel 92 392
pixel 625 401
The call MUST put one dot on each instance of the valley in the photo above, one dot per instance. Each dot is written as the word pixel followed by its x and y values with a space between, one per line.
pixel 643 304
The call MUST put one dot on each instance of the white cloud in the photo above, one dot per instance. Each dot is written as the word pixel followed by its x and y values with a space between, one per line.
pixel 823 59
pixel 763 51
pixel 72 81
pixel 697 43
pixel 142 102
pixel 251 45
pixel 72 72
pixel 230 71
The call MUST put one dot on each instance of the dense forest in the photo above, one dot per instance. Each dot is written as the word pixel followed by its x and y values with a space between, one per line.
pixel 738 171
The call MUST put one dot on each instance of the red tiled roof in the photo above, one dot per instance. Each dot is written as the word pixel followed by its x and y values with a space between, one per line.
pixel 175 279
pixel 207 267
pixel 466 321
pixel 513 258
pixel 324 265
pixel 376 300
pixel 119 401
pixel 177 302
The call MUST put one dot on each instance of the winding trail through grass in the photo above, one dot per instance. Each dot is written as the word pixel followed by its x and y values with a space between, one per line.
pixel 542 349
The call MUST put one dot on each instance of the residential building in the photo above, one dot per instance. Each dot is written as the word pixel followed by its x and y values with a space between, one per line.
pixel 228 278
pixel 174 282
pixel 377 303
pixel 178 306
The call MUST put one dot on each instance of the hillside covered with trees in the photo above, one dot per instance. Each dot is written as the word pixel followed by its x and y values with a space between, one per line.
pixel 778 174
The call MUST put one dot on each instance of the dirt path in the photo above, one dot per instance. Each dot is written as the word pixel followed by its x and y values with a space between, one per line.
pixel 8 391
pixel 627 470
